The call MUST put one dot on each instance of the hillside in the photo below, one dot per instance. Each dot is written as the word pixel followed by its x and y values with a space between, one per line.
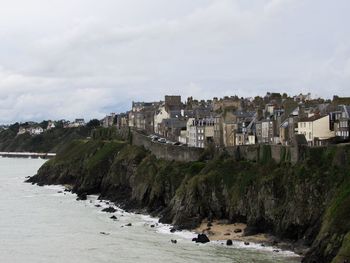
pixel 307 203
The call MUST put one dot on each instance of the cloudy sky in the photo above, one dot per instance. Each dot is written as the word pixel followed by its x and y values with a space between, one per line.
pixel 73 58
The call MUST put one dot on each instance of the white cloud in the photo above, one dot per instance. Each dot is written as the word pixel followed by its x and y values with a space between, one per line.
pixel 90 60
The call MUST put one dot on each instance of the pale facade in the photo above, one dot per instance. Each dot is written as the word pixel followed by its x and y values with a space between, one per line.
pixel 159 117
pixel 315 127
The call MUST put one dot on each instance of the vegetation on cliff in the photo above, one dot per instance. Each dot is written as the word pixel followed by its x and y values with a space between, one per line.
pixel 307 203
pixel 49 141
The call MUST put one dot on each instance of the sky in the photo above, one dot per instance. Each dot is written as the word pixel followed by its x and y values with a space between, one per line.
pixel 64 59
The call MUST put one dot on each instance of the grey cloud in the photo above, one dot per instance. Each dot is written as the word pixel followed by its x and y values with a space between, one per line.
pixel 94 62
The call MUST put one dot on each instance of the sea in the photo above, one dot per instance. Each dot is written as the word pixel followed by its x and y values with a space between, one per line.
pixel 48 225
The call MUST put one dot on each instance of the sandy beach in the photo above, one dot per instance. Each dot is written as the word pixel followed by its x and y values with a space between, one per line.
pixel 221 230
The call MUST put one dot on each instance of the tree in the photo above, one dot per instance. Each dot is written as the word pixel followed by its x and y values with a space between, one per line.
pixel 93 123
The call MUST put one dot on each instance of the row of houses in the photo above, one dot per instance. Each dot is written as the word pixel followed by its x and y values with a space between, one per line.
pixel 33 128
pixel 231 121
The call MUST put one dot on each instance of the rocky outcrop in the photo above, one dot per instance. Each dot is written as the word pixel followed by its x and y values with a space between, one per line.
pixel 307 203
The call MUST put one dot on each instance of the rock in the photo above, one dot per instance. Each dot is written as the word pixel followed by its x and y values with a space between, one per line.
pixel 274 242
pixel 237 230
pixel 174 241
pixel 104 233
pixel 263 245
pixel 82 196
pixel 109 210
pixel 227 234
pixel 98 205
pixel 251 230
pixel 128 224
pixel 152 226
pixel 202 238
pixel 173 230
pixel 229 242
pixel 59 192
pixel 276 250
pixel 113 217
pixel 246 243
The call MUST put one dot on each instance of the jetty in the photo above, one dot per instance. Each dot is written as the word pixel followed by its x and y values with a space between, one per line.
pixel 27 155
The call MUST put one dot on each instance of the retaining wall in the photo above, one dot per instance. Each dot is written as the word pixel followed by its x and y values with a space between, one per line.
pixel 255 153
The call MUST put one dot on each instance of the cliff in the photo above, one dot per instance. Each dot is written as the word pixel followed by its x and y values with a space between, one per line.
pixel 49 141
pixel 307 203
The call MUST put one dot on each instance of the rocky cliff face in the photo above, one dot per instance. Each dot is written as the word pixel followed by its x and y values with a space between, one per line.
pixel 307 203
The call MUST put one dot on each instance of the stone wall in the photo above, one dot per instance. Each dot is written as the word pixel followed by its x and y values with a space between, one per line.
pixel 255 153
pixel 167 151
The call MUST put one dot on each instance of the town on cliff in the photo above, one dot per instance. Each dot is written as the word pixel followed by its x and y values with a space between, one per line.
pixel 229 121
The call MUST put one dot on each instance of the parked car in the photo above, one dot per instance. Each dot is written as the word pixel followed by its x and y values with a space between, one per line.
pixel 155 139
pixel 162 140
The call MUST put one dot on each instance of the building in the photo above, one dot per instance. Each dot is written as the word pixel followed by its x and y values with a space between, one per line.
pixel 200 132
pixel 109 120
pixel 315 129
pixel 342 123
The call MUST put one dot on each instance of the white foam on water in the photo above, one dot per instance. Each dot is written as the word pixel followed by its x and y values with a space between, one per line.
pixel 164 229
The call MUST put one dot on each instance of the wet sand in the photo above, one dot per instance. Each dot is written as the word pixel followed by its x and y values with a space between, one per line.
pixel 221 230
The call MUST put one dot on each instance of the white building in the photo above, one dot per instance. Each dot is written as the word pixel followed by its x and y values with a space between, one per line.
pixel 315 127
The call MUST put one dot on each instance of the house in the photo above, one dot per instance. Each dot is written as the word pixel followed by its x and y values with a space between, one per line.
pixel 36 130
pixel 122 120
pixel 342 123
pixel 315 128
pixel 171 108
pixel 201 132
pixel 22 130
pixel 51 125
pixel 265 131
pixel 141 117
pixel 109 120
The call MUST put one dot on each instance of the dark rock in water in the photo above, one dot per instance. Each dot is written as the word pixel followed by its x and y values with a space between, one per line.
pixel 152 226
pixel 246 243
pixel 229 242
pixel 237 230
pixel 66 190
pixel 128 224
pixel 40 184
pixel 276 250
pixel 194 239
pixel 173 230
pixel 263 245
pixel 202 238
pixel 113 217
pixel 209 224
pixel 109 210
pixel 174 241
pixel 104 233
pixel 59 192
pixel 82 196
pixel 98 205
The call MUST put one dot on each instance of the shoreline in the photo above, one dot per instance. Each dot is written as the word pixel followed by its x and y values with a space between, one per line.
pixel 259 242
pixel 222 231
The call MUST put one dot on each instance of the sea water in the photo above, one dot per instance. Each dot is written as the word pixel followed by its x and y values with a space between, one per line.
pixel 48 225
